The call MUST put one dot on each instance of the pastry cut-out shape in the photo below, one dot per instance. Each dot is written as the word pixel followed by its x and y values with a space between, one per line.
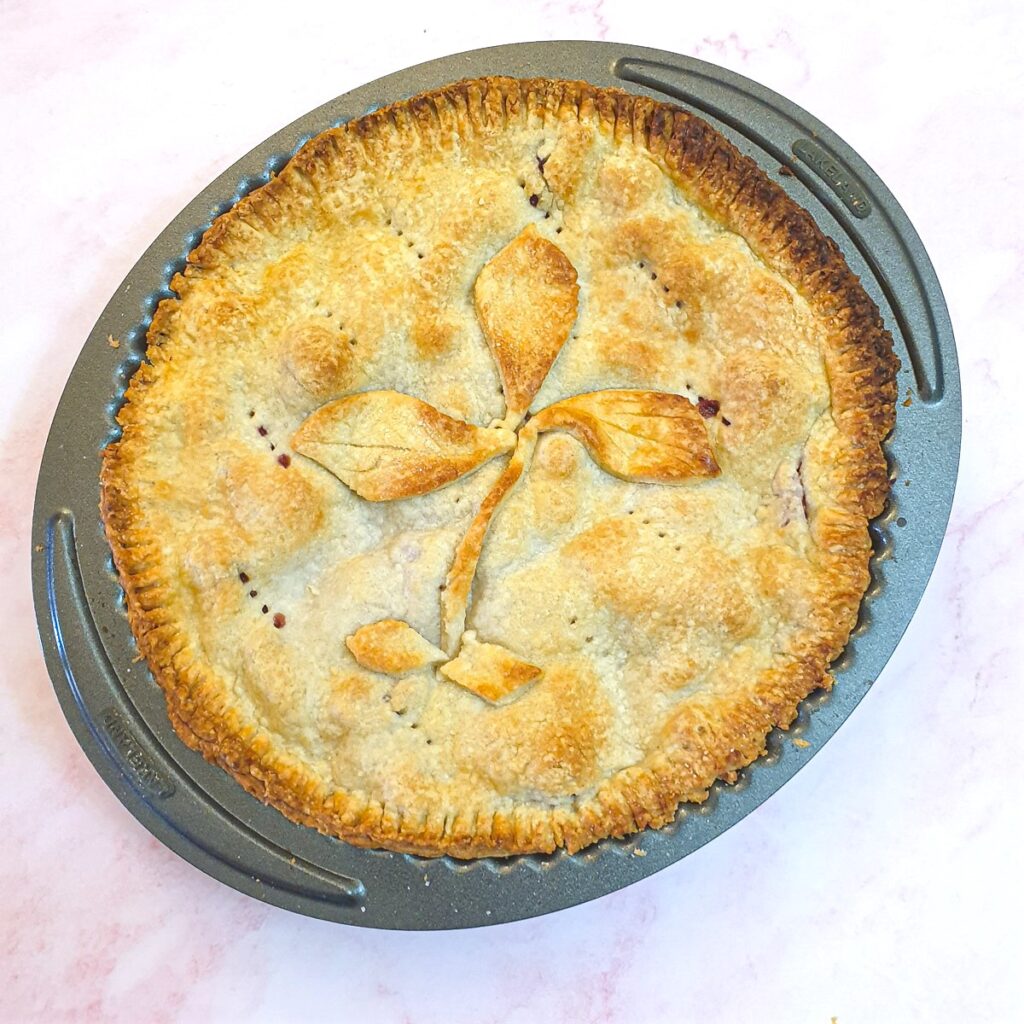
pixel 646 436
pixel 489 670
pixel 455 596
pixel 526 302
pixel 392 647
pixel 385 445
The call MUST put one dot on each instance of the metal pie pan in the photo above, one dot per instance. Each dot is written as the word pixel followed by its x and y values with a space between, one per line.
pixel 117 711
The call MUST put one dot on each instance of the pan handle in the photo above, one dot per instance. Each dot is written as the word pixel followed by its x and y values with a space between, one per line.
pixel 847 188
pixel 122 739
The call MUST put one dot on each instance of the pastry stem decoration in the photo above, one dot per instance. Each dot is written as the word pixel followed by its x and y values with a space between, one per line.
pixel 457 585
pixel 386 446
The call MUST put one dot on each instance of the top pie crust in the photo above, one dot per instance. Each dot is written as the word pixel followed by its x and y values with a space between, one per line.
pixel 671 563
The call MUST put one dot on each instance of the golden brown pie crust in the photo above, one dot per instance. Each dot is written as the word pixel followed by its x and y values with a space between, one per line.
pixel 754 604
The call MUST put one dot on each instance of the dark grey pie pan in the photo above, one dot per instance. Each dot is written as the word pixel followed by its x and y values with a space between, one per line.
pixel 117 711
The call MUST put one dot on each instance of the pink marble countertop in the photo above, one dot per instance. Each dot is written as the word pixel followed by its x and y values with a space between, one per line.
pixel 876 886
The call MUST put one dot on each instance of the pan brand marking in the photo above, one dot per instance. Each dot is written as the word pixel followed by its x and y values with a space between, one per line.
pixel 148 776
pixel 833 173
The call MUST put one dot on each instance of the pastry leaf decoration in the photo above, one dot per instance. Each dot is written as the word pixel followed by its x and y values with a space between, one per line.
pixel 489 670
pixel 385 445
pixel 392 647
pixel 526 302
pixel 645 436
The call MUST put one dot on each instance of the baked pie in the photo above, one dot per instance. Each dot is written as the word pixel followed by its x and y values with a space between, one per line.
pixel 500 473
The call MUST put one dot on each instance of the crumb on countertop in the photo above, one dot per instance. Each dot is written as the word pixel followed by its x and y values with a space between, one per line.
pixel 113 342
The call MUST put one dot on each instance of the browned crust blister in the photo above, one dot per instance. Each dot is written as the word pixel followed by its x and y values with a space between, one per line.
pixel 699 744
